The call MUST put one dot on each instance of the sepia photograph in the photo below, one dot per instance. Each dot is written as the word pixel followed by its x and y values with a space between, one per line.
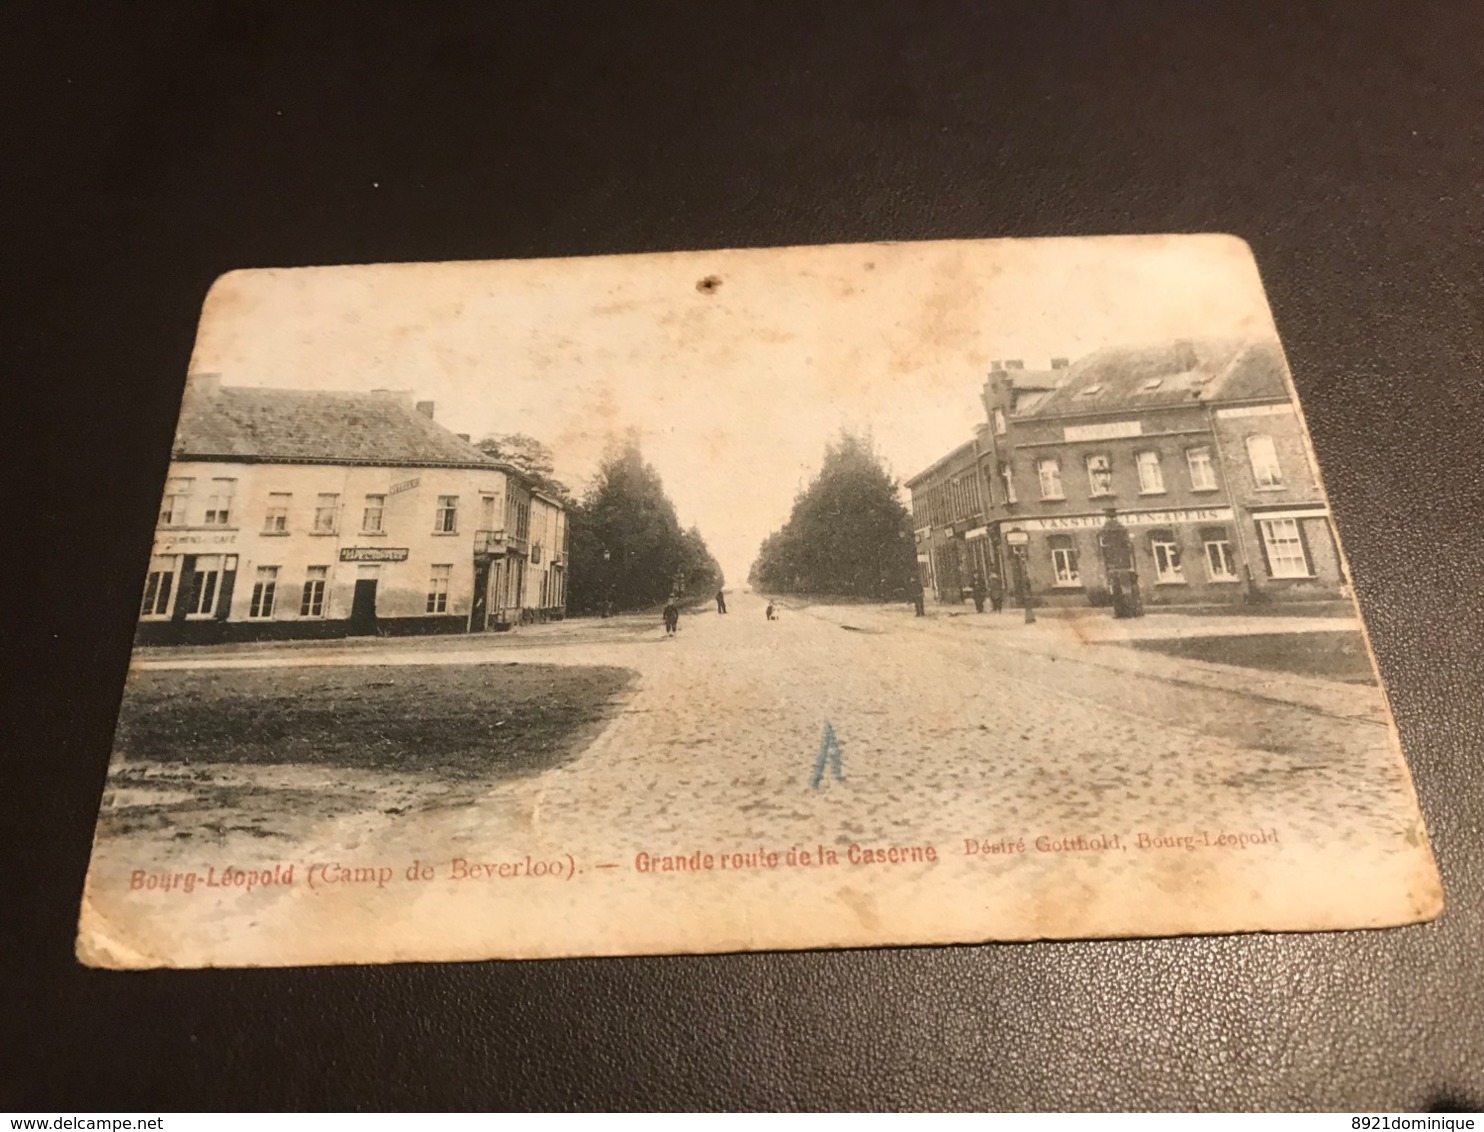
pixel 815 597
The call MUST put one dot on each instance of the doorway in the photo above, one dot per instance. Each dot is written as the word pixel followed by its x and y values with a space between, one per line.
pixel 480 608
pixel 363 604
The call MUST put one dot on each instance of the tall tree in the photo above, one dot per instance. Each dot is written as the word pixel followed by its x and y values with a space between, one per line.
pixel 627 546
pixel 848 534
pixel 529 455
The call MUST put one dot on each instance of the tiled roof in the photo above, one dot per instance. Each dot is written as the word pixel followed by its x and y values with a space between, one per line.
pixel 1175 373
pixel 963 454
pixel 301 426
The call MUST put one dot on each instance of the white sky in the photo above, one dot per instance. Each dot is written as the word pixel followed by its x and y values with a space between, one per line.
pixel 734 392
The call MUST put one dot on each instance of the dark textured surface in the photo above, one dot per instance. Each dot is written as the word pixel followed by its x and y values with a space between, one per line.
pixel 145 154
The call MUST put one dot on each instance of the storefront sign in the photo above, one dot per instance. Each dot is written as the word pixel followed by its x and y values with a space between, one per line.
pixel 405 485
pixel 1111 430
pixel 373 554
pixel 188 543
pixel 1130 519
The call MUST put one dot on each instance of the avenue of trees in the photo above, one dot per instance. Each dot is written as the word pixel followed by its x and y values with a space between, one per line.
pixel 628 550
pixel 848 534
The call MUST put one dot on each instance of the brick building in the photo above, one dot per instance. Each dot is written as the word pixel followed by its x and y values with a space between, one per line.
pixel 950 523
pixel 954 501
pixel 1195 447
pixel 291 513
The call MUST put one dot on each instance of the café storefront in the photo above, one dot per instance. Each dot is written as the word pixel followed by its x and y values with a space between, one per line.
pixel 1182 556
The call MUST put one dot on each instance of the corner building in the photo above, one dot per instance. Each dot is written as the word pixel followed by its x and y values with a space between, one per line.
pixel 308 514
pixel 1198 451
pixel 957 501
pixel 949 519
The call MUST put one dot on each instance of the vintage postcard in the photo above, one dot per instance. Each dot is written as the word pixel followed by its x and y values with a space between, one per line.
pixel 810 597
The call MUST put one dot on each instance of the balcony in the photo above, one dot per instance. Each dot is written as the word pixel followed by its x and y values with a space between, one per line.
pixel 496 544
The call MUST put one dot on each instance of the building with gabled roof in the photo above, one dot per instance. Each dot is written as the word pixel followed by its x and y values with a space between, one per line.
pixel 310 513
pixel 1195 447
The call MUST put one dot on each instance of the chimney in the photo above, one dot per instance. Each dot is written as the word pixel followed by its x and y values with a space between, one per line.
pixel 996 367
pixel 204 384
pixel 1185 355
pixel 1014 363
pixel 1060 363
pixel 426 409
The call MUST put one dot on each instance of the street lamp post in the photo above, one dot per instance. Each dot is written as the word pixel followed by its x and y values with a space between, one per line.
pixel 1019 541
pixel 607 577
pixel 1118 563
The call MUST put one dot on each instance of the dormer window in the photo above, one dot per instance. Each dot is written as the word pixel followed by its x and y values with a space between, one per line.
pixel 1151 384
pixel 1091 390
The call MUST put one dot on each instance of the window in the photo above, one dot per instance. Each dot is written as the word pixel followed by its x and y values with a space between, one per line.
pixel 157 588
pixel 263 592
pixel 1091 391
pixel 313 602
pixel 438 589
pixel 219 503
pixel 446 521
pixel 1007 474
pixel 204 586
pixel 173 506
pixel 1099 475
pixel 1202 472
pixel 1221 565
pixel 373 514
pixel 1166 550
pixel 1285 548
pixel 1064 560
pixel 999 422
pixel 487 505
pixel 326 507
pixel 1049 469
pixel 276 521
pixel 1263 456
pixel 1151 475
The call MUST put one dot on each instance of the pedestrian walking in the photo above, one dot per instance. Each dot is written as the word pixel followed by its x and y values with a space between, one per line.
pixel 672 618
pixel 976 591
pixel 771 615
pixel 996 589
pixel 917 597
pixel 721 601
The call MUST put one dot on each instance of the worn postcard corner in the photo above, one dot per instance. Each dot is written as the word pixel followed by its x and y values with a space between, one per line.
pixel 806 597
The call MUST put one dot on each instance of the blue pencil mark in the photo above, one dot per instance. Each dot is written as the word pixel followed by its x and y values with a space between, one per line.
pixel 829 752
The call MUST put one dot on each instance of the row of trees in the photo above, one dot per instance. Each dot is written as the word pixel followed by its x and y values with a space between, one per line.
pixel 625 545
pixel 848 533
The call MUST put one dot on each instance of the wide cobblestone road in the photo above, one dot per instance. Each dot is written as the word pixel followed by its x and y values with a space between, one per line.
pixel 1019 739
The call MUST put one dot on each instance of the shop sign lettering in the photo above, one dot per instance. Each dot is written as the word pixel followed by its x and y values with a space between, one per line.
pixel 1129 519
pixel 373 554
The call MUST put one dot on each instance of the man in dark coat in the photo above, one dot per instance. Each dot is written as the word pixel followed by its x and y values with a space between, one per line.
pixel 672 618
pixel 721 601
pixel 996 592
